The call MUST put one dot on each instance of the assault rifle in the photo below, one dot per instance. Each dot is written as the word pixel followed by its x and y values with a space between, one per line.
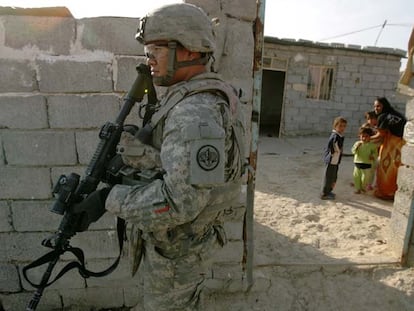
pixel 71 189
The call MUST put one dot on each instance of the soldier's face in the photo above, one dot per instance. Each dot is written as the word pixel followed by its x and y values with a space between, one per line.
pixel 157 58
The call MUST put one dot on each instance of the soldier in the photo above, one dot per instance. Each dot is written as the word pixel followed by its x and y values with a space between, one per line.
pixel 195 153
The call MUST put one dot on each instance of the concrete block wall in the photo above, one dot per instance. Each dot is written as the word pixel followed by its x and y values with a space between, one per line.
pixel 360 75
pixel 62 78
pixel 401 223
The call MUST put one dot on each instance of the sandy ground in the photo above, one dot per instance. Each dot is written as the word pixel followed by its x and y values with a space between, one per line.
pixel 318 255
pixel 315 255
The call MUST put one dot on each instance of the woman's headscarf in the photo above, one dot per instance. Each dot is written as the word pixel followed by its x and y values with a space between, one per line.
pixel 390 119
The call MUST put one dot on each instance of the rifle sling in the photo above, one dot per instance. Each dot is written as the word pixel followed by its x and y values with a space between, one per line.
pixel 80 264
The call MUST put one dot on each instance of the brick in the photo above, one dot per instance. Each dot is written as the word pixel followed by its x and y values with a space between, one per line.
pixel 53 35
pixel 75 76
pixel 24 183
pixel 16 109
pixel 40 148
pixel 20 76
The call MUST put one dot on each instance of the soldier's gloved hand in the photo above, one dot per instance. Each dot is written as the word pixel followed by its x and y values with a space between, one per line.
pixel 90 209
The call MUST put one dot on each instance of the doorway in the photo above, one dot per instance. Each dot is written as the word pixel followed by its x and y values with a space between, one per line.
pixel 273 84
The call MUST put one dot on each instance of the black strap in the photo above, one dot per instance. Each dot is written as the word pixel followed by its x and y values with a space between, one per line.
pixel 80 264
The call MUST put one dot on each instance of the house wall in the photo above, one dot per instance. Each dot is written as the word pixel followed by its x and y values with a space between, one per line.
pixel 360 75
pixel 62 78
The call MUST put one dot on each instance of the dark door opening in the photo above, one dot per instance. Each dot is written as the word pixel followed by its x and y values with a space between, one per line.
pixel 273 84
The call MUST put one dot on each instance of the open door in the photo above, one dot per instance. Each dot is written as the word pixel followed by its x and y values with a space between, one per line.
pixel 273 84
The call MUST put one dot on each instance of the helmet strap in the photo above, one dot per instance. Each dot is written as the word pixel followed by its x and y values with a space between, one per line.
pixel 173 64
pixel 198 61
pixel 172 52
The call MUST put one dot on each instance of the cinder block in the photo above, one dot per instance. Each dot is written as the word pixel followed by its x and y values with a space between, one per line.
pixel 86 144
pixel 112 34
pixel 231 252
pixel 71 279
pixel 24 183
pixel 85 111
pixel 16 109
pixel 21 247
pixel 75 76
pixel 126 72
pixel 20 76
pixel 409 134
pixel 121 277
pixel 40 148
pixel 409 112
pixel 240 45
pixel 9 278
pixel 133 295
pixel 97 244
pixel 93 297
pixel 234 230
pixel 5 217
pixel 19 301
pixel 405 179
pixel 51 35
pixel 397 232
pixel 2 160
pixel 41 218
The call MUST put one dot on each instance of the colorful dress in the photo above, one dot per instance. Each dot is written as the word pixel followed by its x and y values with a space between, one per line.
pixel 389 162
pixel 391 128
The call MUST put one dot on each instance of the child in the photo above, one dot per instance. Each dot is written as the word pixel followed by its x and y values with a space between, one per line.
pixel 332 157
pixel 372 120
pixel 365 153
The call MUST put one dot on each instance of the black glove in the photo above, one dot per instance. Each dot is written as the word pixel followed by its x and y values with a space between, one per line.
pixel 90 209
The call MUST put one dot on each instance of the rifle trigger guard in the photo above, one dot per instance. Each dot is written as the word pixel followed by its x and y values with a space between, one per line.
pixel 141 107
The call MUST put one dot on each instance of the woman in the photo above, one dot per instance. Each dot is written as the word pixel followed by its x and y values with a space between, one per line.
pixel 390 131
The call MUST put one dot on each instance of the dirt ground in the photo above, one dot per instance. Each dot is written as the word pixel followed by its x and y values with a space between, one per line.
pixel 318 255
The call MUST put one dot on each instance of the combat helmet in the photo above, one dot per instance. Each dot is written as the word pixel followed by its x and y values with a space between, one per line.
pixel 181 22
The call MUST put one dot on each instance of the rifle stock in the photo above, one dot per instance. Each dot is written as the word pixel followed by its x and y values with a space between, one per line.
pixel 70 190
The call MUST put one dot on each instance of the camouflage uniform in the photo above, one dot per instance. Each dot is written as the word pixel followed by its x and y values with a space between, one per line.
pixel 195 147
pixel 181 219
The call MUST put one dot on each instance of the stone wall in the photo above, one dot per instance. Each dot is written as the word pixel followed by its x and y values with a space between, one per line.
pixel 62 78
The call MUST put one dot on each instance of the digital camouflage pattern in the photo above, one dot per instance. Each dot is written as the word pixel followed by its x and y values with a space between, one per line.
pixel 180 220
pixel 136 154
